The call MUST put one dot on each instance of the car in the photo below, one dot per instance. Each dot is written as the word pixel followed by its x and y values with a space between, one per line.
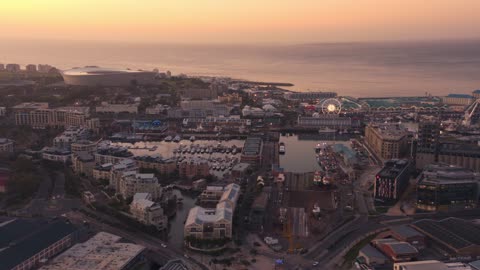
pixel 186 256
pixel 163 245
pixel 315 263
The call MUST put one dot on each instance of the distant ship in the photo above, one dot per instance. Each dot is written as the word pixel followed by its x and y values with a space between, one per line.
pixel 281 149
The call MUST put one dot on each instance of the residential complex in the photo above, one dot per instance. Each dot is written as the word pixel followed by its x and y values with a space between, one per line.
pixel 214 223
pixel 133 182
pixel 148 212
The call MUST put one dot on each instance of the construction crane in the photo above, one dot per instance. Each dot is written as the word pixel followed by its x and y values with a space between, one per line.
pixel 469 112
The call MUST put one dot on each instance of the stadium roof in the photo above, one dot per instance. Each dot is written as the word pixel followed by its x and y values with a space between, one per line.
pixel 94 70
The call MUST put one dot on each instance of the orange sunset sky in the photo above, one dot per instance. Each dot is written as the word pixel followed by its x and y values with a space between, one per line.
pixel 245 21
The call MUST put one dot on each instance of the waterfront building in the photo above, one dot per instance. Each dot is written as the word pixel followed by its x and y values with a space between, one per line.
pixel 309 96
pixel 388 141
pixel 457 236
pixel 160 164
pixel 211 194
pixel 445 187
pixel 83 163
pixel 395 250
pixel 252 151
pixel 133 182
pixel 6 145
pixel 12 67
pixel 102 171
pixel 391 181
pixel 333 121
pixel 214 223
pixel 106 107
pixel 26 244
pixel 117 171
pixel 148 212
pixel 112 155
pixel 193 167
pixel 56 154
pixel 31 68
pixel 458 99
pixel 102 251
pixel 96 76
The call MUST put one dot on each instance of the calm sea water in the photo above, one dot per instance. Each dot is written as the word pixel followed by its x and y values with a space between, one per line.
pixel 356 69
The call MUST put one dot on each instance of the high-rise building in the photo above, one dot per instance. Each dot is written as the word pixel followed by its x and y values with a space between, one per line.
pixel 31 68
pixel 391 181
pixel 444 187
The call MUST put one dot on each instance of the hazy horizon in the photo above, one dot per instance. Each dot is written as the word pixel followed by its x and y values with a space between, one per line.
pixel 247 21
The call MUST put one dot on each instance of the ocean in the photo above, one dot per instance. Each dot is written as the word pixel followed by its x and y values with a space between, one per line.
pixel 350 69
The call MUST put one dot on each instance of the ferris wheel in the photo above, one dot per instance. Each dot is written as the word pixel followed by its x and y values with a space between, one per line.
pixel 331 106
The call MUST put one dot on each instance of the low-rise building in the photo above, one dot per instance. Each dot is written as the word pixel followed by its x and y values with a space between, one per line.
pixel 102 251
pixel 458 99
pixel 214 223
pixel 112 155
pixel 442 187
pixel 252 151
pixel 371 256
pixel 69 136
pixel 132 183
pixel 332 121
pixel 395 250
pixel 117 171
pixel 457 236
pixel 148 212
pixel 6 145
pixel 84 146
pixel 391 181
pixel 160 164
pixel 106 107
pixel 407 234
pixel 430 265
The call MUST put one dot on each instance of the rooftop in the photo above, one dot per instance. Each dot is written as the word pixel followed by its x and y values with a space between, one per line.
pixel 102 251
pixel 452 232
pixel 441 173
pixel 459 96
pixel 405 231
pixel 393 168
pixel 252 146
pixel 21 239
pixel 390 131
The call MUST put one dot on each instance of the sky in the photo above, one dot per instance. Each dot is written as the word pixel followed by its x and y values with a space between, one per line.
pixel 239 21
